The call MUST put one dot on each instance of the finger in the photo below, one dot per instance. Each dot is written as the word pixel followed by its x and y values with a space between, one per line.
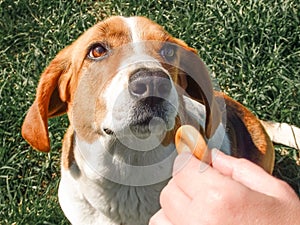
pixel 174 203
pixel 248 174
pixel 159 218
pixel 191 175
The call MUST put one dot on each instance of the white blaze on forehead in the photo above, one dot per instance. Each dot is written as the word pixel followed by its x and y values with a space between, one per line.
pixel 138 46
pixel 132 25
pixel 135 33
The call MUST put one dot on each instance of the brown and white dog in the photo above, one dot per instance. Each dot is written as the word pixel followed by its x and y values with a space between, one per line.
pixel 127 85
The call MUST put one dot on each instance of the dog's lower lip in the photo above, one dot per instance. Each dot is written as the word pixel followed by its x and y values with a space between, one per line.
pixel 108 131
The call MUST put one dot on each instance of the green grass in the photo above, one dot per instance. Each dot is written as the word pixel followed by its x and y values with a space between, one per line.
pixel 252 47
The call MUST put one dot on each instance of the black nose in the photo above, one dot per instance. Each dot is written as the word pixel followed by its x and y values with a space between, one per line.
pixel 146 83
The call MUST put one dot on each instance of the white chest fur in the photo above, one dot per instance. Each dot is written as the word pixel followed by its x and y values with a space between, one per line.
pixel 86 202
pixel 87 197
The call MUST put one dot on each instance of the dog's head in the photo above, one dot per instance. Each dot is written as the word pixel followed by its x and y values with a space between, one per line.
pixel 123 75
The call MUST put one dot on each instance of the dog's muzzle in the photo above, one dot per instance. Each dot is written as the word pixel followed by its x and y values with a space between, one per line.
pixel 150 90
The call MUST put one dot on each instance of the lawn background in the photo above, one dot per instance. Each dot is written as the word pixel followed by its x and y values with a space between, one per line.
pixel 252 48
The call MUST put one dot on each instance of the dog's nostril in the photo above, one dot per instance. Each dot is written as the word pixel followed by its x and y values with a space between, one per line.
pixel 144 83
pixel 164 88
pixel 138 88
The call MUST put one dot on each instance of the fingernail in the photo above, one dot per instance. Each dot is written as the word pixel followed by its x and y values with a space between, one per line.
pixel 203 166
pixel 215 153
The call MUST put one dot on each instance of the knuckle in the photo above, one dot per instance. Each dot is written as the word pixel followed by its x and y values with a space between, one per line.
pixel 226 195
pixel 217 196
pixel 166 193
pixel 154 220
pixel 163 195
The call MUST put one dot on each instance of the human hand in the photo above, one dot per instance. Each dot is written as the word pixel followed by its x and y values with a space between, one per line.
pixel 232 191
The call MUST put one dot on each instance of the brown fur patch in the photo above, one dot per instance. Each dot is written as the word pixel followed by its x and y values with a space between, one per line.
pixel 68 148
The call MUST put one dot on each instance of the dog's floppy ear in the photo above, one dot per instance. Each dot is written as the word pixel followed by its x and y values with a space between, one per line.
pixel 201 90
pixel 50 101
pixel 195 80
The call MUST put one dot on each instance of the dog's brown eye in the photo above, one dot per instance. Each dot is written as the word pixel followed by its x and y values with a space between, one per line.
pixel 168 52
pixel 97 51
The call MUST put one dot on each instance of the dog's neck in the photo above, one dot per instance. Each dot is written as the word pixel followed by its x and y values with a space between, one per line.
pixel 115 161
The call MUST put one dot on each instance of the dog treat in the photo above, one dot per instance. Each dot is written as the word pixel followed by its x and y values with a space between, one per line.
pixel 189 139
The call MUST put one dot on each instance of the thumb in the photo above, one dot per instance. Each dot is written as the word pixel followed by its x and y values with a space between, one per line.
pixel 250 175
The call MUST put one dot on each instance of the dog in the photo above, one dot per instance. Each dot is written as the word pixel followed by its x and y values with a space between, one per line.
pixel 127 85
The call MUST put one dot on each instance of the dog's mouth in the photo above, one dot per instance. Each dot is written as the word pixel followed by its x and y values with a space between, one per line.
pixel 149 116
pixel 151 126
pixel 108 131
pixel 143 129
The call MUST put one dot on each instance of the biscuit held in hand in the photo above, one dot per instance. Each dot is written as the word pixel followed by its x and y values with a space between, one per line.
pixel 189 139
